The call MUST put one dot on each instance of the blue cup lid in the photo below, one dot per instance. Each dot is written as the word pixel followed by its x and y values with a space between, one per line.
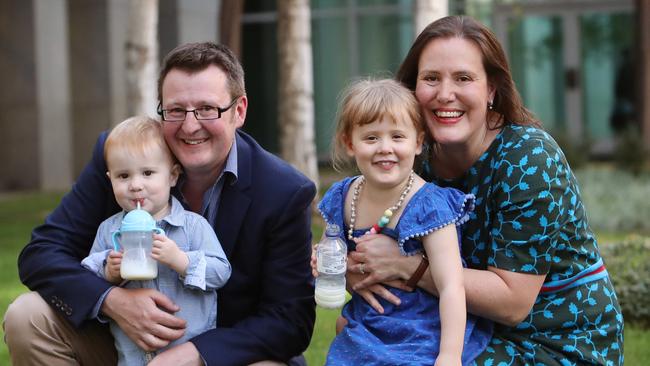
pixel 138 220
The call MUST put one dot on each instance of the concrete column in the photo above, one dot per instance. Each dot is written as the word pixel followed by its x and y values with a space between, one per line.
pixel 197 20
pixel 19 138
pixel 89 76
pixel 53 94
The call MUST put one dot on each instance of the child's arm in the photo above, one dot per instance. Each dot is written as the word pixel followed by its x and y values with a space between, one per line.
pixel 447 271
pixel 207 269
pixel 165 251
pixel 112 267
pixel 99 258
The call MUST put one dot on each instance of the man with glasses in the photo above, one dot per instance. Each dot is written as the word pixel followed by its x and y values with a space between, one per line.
pixel 258 205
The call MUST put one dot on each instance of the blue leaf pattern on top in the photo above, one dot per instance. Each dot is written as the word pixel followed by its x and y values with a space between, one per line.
pixel 529 218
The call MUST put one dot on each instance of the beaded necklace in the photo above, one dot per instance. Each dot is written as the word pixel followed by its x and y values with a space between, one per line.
pixel 385 218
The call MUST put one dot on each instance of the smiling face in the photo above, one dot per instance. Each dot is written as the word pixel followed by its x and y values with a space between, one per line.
pixel 144 177
pixel 201 146
pixel 453 90
pixel 385 151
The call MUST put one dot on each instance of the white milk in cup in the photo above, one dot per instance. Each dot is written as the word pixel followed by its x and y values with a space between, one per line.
pixel 135 237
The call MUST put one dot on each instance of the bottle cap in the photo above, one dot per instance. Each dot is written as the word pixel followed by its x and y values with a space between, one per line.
pixel 332 230
pixel 138 220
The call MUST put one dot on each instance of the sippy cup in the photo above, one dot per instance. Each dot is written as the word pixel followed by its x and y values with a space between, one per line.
pixel 135 236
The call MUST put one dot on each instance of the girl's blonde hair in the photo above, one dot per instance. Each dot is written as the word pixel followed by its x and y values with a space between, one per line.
pixel 138 135
pixel 370 100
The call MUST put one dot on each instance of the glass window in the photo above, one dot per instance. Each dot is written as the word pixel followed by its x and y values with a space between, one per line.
pixel 350 38
pixel 375 2
pixel 331 71
pixel 609 79
pixel 535 54
pixel 260 63
pixel 327 4
pixel 256 6
pixel 380 51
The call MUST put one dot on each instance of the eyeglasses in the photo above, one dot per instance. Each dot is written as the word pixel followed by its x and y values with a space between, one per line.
pixel 201 113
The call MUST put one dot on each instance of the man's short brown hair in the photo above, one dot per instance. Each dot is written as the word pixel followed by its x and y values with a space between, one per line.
pixel 195 57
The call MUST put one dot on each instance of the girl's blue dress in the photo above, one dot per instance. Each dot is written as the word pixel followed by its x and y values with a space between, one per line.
pixel 408 334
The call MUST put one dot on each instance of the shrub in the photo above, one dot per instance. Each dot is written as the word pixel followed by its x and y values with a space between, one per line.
pixel 630 154
pixel 616 201
pixel 576 152
pixel 628 264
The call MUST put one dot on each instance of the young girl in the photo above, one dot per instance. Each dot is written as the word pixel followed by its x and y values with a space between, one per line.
pixel 379 126
pixel 191 262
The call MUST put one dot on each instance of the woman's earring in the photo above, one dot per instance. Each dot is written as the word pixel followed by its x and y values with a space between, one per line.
pixel 490 105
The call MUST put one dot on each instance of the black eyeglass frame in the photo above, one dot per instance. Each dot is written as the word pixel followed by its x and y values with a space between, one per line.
pixel 161 112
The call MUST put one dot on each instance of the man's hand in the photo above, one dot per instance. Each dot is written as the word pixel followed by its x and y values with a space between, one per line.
pixel 145 316
pixel 184 354
pixel 112 268
pixel 314 261
pixel 166 251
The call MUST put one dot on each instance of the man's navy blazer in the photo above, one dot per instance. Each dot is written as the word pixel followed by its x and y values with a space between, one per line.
pixel 265 311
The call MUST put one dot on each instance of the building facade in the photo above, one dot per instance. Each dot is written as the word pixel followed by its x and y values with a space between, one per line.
pixel 63 65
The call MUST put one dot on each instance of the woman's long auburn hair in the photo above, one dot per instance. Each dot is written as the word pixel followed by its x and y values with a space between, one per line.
pixel 507 102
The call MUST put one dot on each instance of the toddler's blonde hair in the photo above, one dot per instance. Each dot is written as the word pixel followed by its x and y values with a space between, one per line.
pixel 137 135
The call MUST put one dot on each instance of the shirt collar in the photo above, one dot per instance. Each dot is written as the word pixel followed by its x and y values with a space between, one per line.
pixel 229 173
pixel 176 216
pixel 231 163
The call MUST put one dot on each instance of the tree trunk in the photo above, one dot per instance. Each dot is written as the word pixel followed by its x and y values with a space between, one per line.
pixel 296 90
pixel 230 24
pixel 142 57
pixel 426 11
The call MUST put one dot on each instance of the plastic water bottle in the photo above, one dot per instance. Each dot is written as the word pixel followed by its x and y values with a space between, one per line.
pixel 331 257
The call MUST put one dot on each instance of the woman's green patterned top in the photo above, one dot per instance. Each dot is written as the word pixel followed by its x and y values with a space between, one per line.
pixel 529 218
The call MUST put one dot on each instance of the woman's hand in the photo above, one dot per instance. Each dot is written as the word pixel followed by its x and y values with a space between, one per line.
pixel 381 260
pixel 357 274
pixel 370 293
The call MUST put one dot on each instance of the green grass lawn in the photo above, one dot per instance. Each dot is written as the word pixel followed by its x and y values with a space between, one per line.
pixel 19 213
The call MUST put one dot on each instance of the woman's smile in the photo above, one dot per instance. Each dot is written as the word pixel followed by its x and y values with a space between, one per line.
pixel 453 90
pixel 448 116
